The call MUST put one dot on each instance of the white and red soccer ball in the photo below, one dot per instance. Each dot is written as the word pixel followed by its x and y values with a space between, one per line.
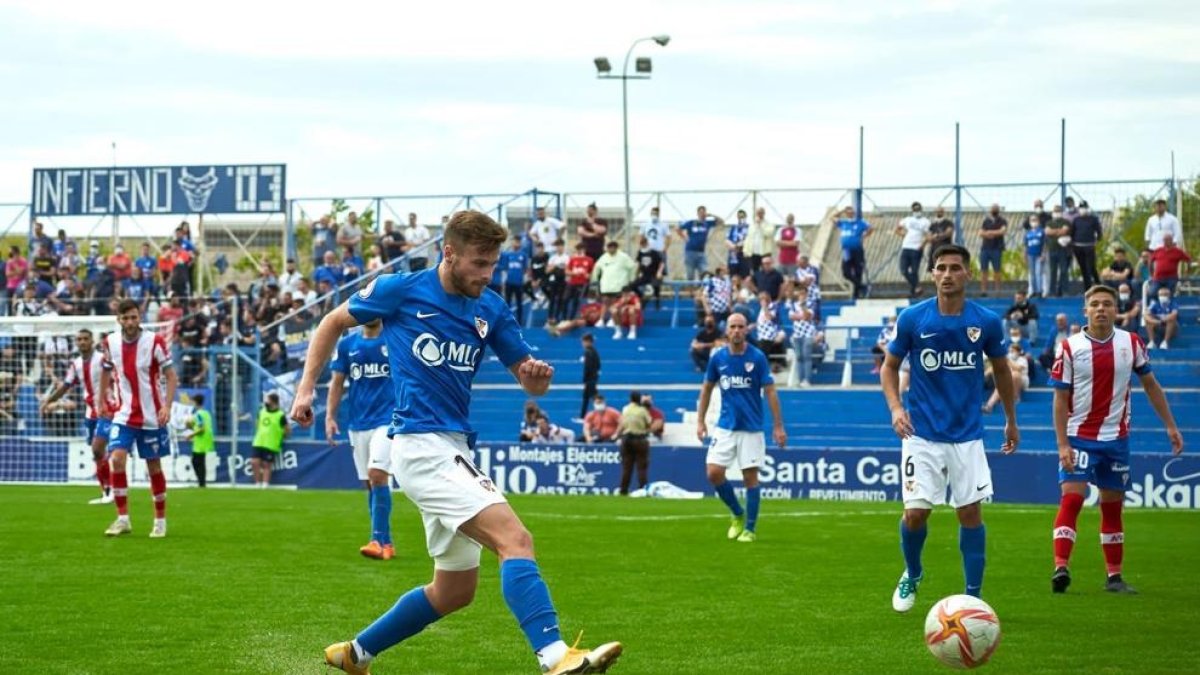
pixel 962 631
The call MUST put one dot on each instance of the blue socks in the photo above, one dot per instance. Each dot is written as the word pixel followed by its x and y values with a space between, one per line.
pixel 725 492
pixel 381 513
pixel 753 496
pixel 911 544
pixel 529 601
pixel 972 542
pixel 409 616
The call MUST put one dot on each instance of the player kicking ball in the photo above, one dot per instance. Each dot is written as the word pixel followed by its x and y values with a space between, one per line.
pixel 362 359
pixel 1092 376
pixel 436 325
pixel 947 338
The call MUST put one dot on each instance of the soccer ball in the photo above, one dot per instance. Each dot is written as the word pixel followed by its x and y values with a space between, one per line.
pixel 962 631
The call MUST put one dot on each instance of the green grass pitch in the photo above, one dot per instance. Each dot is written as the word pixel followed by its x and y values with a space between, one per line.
pixel 260 582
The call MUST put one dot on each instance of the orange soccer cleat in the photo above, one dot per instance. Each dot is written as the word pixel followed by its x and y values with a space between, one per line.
pixel 373 550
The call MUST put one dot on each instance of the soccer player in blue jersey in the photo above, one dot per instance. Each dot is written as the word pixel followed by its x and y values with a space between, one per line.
pixel 946 339
pixel 361 358
pixel 436 325
pixel 742 372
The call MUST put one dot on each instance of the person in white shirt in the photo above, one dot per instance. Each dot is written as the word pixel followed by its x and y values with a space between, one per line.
pixel 657 234
pixel 760 240
pixel 415 235
pixel 546 229
pixel 915 230
pixel 1162 223
pixel 289 281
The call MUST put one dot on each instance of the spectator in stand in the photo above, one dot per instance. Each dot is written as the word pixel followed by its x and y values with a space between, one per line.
pixel 120 263
pixel 330 295
pixel 600 425
pixel 760 240
pixel 808 276
pixel 545 229
pixel 39 238
pixel 289 281
pixel 166 262
pixel 415 236
pixel 44 264
pixel 183 234
pixel 915 230
pixel 352 263
pixel 551 433
pixel 42 289
pixel 1023 314
pixel 941 229
pixel 695 242
pixel 1058 253
pixel 1018 366
pixel 350 234
pixel 1085 235
pixel 95 263
pixel 1129 308
pixel 193 370
pixel 715 297
pixel 735 244
pixel 513 267
pixel 886 335
pixel 556 282
pixel 1062 331
pixel 169 316
pixel 137 288
pixel 626 312
pixel 591 313
pixel 330 271
pixel 614 272
pixel 538 272
pixel 703 343
pixel 854 232
pixel 803 331
pixel 592 231
pixel 768 333
pixel 324 235
pixel 787 240
pixel 1163 313
pixel 1035 258
pixel 579 273
pixel 529 421
pixel 70 260
pixel 991 250
pixel 768 279
pixel 634 431
pixel 658 420
pixel 650 270
pixel 16 268
pixel 103 290
pixel 58 246
pixel 180 281
pixel 148 263
pixel 1167 259
pixel 1161 224
pixel 376 259
pixel 591 371
pixel 658 234
pixel 1119 271
pixel 392 241
pixel 1070 212
pixel 304 292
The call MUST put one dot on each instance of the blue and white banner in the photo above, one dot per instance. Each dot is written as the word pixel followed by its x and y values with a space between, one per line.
pixel 151 190
pixel 1157 480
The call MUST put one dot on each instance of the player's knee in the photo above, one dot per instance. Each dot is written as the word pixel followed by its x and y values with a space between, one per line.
pixel 914 519
pixel 516 544
pixel 716 474
pixel 970 515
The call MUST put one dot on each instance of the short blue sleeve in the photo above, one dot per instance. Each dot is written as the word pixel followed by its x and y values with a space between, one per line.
pixel 341 360
pixel 993 338
pixel 712 374
pixel 379 299
pixel 901 342
pixel 506 340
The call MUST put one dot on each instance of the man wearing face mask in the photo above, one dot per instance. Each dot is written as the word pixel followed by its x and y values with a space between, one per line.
pixel 1128 308
pixel 941 229
pixel 991 251
pixel 915 230
pixel 1036 217
pixel 1162 313
pixel 1085 235
pixel 1058 253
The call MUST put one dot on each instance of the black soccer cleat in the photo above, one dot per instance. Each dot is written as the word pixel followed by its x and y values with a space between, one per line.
pixel 1116 584
pixel 1060 580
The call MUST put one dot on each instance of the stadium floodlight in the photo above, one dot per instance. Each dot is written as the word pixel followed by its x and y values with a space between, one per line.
pixel 642 68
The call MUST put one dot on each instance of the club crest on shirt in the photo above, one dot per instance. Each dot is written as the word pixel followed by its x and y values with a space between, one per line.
pixel 368 289
pixel 973 333
pixel 383 350
pixel 481 326
pixel 749 367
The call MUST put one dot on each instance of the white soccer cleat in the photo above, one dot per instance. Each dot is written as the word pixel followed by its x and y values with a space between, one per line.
pixel 106 498
pixel 905 595
pixel 119 527
pixel 159 531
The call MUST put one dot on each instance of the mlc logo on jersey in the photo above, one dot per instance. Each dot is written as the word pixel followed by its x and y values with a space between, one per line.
pixel 433 352
pixel 932 359
pixel 369 370
pixel 736 382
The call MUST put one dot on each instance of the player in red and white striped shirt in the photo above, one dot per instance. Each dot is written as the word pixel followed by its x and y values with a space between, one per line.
pixel 85 371
pixel 1092 377
pixel 136 363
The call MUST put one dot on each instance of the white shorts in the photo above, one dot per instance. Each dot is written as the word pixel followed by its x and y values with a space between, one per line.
pixel 372 450
pixel 436 473
pixel 747 448
pixel 926 467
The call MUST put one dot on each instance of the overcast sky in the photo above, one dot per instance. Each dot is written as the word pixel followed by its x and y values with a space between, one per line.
pixel 448 97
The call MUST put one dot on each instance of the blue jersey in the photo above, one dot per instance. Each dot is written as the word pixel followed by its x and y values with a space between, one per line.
pixel 852 233
pixel 435 343
pixel 697 233
pixel 947 355
pixel 513 264
pixel 1035 238
pixel 741 378
pixel 736 236
pixel 364 362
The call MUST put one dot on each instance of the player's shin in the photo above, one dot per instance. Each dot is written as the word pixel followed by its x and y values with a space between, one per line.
pixel 1064 527
pixel 528 599
pixel 120 489
pixel 381 514
pixel 409 616
pixel 158 490
pixel 753 498
pixel 912 542
pixel 725 492
pixel 103 475
pixel 972 542
pixel 1112 535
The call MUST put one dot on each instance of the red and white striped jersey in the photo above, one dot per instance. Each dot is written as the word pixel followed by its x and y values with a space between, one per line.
pixel 136 368
pixel 87 374
pixel 1099 375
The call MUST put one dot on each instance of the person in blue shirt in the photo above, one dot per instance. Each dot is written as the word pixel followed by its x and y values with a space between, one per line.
pixel 331 272
pixel 361 360
pixel 743 374
pixel 1035 242
pixel 946 339
pixel 695 241
pixel 735 240
pixel 514 268
pixel 436 325
pixel 148 263
pixel 1163 312
pixel 854 258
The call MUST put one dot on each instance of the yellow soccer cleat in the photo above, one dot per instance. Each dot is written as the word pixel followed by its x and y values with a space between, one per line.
pixel 578 661
pixel 341 656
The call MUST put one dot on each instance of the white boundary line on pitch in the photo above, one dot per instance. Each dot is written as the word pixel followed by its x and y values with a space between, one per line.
pixel 769 514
